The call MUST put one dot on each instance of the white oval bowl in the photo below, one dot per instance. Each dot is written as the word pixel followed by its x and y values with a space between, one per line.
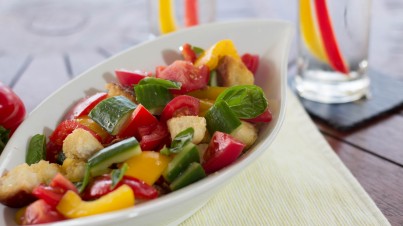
pixel 270 39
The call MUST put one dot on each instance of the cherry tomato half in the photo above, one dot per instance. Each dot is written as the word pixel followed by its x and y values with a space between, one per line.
pixel 85 105
pixel 221 152
pixel 130 78
pixel 180 106
pixel 191 77
pixel 251 62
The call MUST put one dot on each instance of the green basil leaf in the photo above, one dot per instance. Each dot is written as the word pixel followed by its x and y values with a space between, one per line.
pixel 181 140
pixel 246 101
pixel 117 175
pixel 197 50
pixel 162 82
pixel 4 136
pixel 36 149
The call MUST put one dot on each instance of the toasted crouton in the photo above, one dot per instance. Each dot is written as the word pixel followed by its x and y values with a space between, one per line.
pixel 16 185
pixel 246 133
pixel 73 169
pixel 178 124
pixel 81 144
pixel 233 72
pixel 117 90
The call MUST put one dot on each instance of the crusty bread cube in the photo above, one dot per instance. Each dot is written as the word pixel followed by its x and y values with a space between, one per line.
pixel 16 185
pixel 117 90
pixel 232 72
pixel 81 144
pixel 246 133
pixel 73 169
pixel 178 124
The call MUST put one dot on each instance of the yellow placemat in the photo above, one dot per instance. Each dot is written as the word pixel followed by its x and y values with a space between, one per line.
pixel 298 181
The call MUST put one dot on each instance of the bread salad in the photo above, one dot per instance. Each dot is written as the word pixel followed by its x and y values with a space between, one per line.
pixel 146 135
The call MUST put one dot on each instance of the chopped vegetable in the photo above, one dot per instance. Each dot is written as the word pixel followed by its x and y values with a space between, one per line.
pixel 213 55
pixel 36 149
pixel 181 161
pixel 140 118
pixel 130 78
pixel 190 76
pixel 72 206
pixel 221 152
pixel 180 106
pixel 193 173
pixel 153 97
pixel 246 101
pixel 147 166
pixel 85 105
pixel 40 212
pixel 101 186
pixel 115 153
pixel 220 117
pixel 112 113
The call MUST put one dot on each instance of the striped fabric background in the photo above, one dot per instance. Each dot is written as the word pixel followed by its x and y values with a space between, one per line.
pixel 298 181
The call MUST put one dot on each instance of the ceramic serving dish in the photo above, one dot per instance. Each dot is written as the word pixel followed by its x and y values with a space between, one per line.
pixel 268 38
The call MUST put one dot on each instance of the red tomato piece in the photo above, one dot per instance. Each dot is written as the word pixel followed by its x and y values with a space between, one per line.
pixel 251 62
pixel 156 139
pixel 221 152
pixel 12 109
pixel 61 182
pixel 102 185
pixel 158 70
pixel 180 106
pixel 130 78
pixel 50 195
pixel 85 105
pixel 140 117
pixel 191 77
pixel 39 212
pixel 53 193
pixel 266 116
pixel 187 53
pixel 52 150
pixel 65 128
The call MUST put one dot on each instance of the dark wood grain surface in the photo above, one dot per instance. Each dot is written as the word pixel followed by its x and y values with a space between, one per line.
pixel 44 44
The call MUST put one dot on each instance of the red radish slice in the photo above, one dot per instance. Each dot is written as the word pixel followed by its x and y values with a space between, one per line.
pixel 329 39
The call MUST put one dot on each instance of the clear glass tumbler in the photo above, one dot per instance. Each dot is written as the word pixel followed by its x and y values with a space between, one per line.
pixel 166 16
pixel 333 41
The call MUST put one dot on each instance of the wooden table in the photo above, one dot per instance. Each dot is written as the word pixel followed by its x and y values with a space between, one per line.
pixel 44 44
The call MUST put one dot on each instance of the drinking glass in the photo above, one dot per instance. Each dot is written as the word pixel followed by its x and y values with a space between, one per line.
pixel 166 16
pixel 333 40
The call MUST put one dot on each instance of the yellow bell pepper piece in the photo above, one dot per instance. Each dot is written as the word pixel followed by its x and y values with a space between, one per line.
pixel 205 105
pixel 310 32
pixel 71 205
pixel 212 56
pixel 166 16
pixel 148 166
pixel 92 125
pixel 211 92
pixel 19 214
